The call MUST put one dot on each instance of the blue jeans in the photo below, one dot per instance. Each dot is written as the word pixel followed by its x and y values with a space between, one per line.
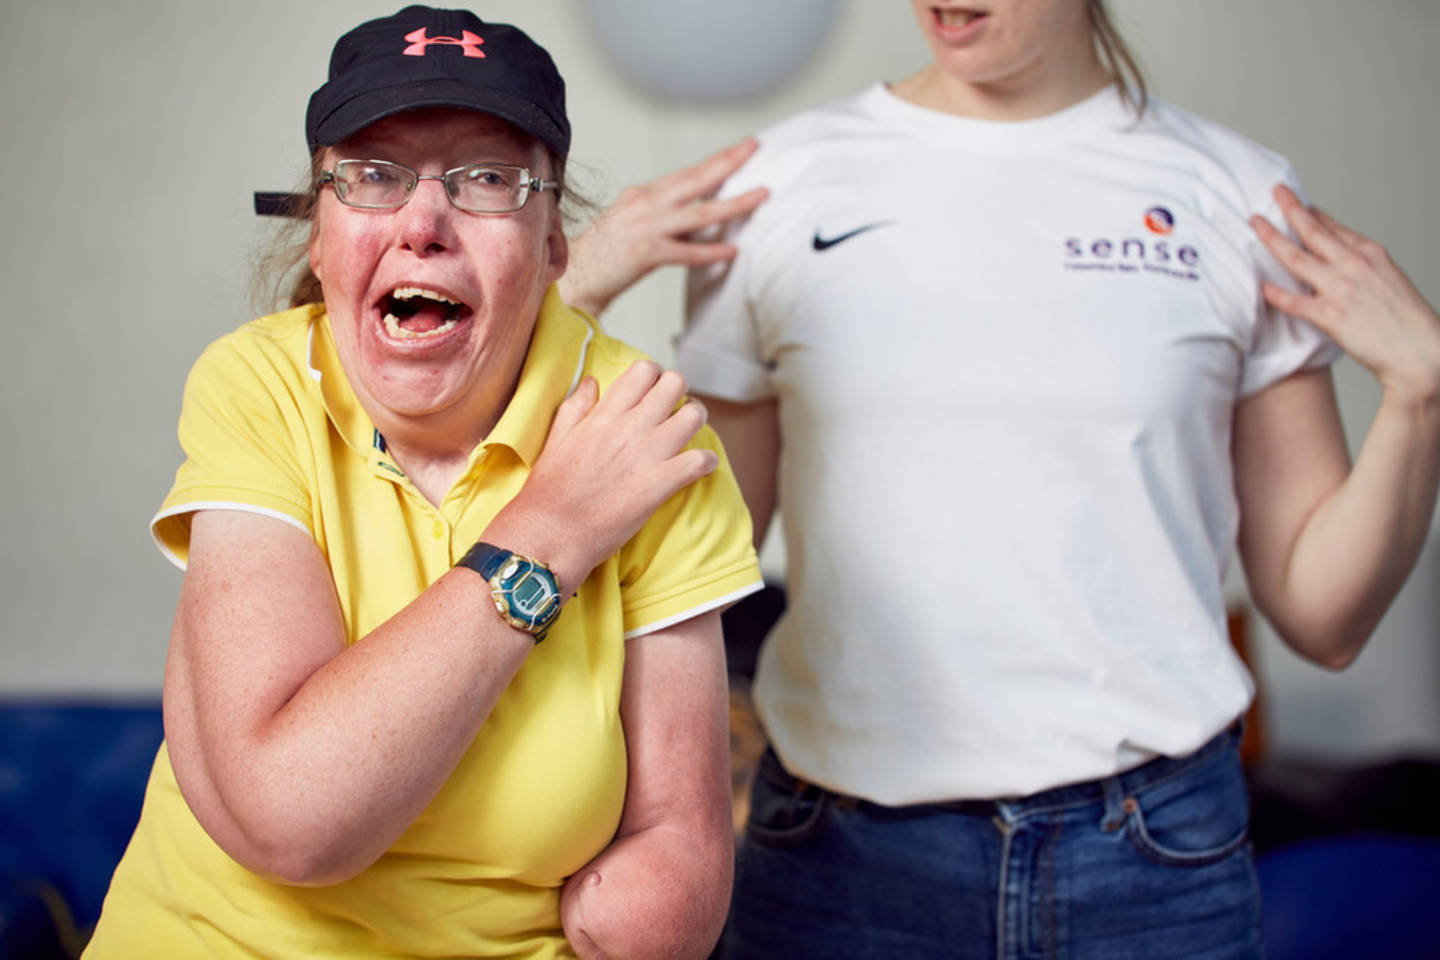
pixel 1150 864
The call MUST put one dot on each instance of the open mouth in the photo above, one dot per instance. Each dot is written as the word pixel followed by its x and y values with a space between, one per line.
pixel 412 313
pixel 953 17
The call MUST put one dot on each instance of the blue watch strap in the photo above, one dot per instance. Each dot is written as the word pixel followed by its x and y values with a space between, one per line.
pixel 484 558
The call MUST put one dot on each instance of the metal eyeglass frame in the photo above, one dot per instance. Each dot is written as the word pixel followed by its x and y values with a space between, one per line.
pixel 530 185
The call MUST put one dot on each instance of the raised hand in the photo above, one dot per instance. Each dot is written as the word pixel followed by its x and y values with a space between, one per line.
pixel 649 225
pixel 608 462
pixel 1356 294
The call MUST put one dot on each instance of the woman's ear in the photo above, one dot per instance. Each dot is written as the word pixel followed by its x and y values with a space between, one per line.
pixel 557 248
pixel 314 246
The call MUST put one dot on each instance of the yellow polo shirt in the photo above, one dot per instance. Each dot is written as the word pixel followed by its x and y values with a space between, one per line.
pixel 270 425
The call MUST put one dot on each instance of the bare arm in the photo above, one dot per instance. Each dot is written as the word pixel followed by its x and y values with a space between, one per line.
pixel 1327 546
pixel 304 758
pixel 750 433
pixel 662 887
pixel 650 225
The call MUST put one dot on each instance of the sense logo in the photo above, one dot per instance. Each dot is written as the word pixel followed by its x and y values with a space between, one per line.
pixel 1156 252
pixel 1159 220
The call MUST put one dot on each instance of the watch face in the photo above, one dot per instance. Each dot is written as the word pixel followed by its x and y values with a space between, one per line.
pixel 531 594
pixel 526 594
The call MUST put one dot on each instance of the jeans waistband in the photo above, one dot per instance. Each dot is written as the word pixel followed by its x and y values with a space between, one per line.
pixel 1107 790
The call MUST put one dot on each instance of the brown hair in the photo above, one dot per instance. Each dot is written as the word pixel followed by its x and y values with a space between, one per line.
pixel 282 274
pixel 1117 57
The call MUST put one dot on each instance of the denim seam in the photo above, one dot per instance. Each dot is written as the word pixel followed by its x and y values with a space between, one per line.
pixel 1148 846
pixel 1052 941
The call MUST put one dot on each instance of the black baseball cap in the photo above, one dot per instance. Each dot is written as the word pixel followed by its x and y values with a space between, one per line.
pixel 423 57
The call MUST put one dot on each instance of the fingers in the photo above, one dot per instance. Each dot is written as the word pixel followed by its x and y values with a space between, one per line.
pixel 704 178
pixel 575 407
pixel 691 254
pixel 1312 231
pixel 662 398
pixel 1371 250
pixel 631 387
pixel 1350 237
pixel 1302 264
pixel 1289 301
pixel 680 427
pixel 707 213
pixel 690 465
pixel 655 399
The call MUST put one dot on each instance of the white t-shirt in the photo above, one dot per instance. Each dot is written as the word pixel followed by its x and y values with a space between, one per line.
pixel 1007 357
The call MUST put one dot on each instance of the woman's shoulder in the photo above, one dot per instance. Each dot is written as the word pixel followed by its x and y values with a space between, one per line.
pixel 279 337
pixel 273 352
pixel 790 146
pixel 1215 148
pixel 607 357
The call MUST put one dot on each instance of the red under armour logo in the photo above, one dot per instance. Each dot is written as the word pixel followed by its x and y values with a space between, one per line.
pixel 468 41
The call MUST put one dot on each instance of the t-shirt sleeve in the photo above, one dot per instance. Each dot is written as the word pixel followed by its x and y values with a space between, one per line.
pixel 239 451
pixel 720 352
pixel 693 555
pixel 1282 344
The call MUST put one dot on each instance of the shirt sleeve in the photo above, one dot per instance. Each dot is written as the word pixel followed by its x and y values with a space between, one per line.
pixel 693 555
pixel 239 450
pixel 1282 344
pixel 719 351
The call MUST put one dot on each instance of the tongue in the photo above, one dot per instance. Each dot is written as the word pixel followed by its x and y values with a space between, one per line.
pixel 425 319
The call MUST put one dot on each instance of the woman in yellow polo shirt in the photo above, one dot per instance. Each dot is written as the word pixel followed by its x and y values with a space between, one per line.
pixel 389 499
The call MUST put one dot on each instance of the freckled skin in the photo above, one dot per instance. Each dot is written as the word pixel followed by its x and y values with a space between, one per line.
pixel 455 384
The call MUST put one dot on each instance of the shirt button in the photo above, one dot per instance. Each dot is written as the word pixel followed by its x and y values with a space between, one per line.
pixel 439 529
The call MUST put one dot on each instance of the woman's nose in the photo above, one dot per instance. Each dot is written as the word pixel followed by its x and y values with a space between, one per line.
pixel 429 226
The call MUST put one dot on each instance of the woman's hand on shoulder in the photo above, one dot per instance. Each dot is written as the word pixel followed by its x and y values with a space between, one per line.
pixel 1356 294
pixel 650 225
pixel 608 463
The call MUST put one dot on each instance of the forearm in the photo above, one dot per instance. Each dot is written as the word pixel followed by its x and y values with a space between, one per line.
pixel 1356 549
pixel 660 893
pixel 316 791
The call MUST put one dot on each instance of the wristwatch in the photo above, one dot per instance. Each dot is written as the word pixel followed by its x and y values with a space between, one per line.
pixel 526 593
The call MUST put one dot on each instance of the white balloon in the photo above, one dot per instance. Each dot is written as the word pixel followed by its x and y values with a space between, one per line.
pixel 710 50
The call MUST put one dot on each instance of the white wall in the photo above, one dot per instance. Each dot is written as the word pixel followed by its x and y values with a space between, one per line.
pixel 134 133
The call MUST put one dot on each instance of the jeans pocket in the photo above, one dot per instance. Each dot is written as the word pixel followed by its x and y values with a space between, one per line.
pixel 1197 817
pixel 783 810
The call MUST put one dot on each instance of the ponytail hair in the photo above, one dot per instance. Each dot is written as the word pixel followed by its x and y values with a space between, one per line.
pixel 1116 56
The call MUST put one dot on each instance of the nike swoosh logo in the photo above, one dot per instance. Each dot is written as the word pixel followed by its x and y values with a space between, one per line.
pixel 823 243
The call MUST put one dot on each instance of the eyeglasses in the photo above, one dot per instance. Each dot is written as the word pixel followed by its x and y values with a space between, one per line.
pixel 476 187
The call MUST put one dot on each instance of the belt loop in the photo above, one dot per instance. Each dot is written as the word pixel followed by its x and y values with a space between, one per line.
pixel 1116 809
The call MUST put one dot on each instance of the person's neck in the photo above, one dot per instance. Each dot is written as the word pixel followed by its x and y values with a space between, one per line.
pixel 434 450
pixel 1044 89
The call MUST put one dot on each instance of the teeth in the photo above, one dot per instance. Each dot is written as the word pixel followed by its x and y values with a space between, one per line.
pixel 392 326
pixel 956 18
pixel 410 293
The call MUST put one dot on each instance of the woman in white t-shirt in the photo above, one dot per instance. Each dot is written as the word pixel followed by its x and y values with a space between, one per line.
pixel 1017 351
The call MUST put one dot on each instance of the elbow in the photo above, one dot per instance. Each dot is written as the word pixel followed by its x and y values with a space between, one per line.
pixel 1330 636
pixel 1339 657
pixel 666 907
pixel 290 851
pixel 1329 646
pixel 298 862
pixel 300 869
